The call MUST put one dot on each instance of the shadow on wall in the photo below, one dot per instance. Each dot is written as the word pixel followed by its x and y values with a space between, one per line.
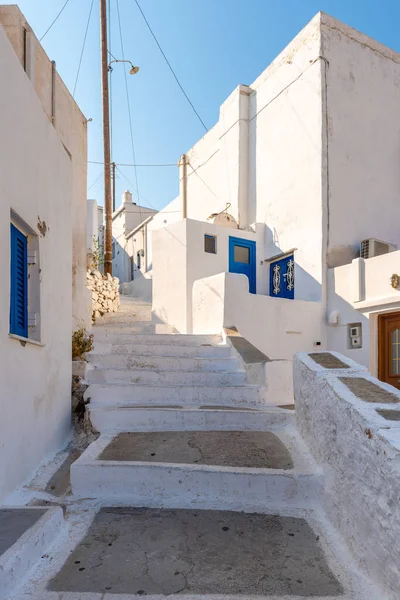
pixel 341 314
pixel 306 286
pixel 276 326
pixel 121 263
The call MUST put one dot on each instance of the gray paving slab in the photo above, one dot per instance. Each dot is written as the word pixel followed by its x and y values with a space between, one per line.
pixel 367 391
pixel 14 522
pixel 60 482
pixel 389 415
pixel 257 449
pixel 248 353
pixel 328 360
pixel 146 551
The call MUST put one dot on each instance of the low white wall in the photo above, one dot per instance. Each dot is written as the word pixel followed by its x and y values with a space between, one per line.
pixel 35 182
pixel 179 260
pixel 141 288
pixel 359 452
pixel 276 326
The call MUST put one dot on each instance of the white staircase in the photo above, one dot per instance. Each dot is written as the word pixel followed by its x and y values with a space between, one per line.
pixel 181 429
pixel 142 381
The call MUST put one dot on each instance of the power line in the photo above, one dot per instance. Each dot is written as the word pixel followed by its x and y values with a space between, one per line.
pixel 96 162
pixel 95 181
pixel 48 29
pixel 128 103
pixel 201 179
pixel 134 188
pixel 170 67
pixel 83 48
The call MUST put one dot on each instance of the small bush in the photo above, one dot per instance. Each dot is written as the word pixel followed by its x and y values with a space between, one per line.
pixel 81 343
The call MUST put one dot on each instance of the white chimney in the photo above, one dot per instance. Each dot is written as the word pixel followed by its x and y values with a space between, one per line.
pixel 127 197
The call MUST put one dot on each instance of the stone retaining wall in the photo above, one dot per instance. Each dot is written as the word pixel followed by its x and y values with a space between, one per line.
pixel 105 294
pixel 339 414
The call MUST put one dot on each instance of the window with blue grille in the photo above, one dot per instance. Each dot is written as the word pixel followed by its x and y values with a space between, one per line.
pixel 19 283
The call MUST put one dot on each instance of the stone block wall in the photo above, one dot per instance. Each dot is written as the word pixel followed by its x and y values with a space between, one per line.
pixel 105 294
pixel 351 423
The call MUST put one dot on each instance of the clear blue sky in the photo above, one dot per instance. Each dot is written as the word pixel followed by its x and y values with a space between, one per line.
pixel 213 45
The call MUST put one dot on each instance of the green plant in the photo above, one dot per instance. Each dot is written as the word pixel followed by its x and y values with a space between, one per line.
pixel 81 343
pixel 97 253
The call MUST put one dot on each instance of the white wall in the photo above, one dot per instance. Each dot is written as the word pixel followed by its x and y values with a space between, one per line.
pixel 127 218
pixel 36 181
pixel 178 254
pixel 71 127
pixel 92 225
pixel 276 326
pixel 169 214
pixel 169 275
pixel 359 292
pixel 363 96
pixel 285 157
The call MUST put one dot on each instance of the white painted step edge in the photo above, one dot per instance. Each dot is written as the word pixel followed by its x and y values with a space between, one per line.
pixel 17 562
pixel 109 419
pixel 163 363
pixel 183 486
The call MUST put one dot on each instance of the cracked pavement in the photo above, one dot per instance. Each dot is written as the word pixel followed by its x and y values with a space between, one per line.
pixel 252 449
pixel 149 551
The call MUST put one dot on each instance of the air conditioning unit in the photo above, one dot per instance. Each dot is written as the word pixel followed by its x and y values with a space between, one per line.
pixel 372 247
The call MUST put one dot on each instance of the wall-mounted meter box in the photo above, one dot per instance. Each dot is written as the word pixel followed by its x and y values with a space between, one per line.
pixel 354 335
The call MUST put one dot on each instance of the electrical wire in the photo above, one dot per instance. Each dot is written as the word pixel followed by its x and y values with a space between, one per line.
pixel 169 65
pixel 95 181
pixel 201 179
pixel 50 26
pixel 128 103
pixel 95 162
pixel 83 48
pixel 134 188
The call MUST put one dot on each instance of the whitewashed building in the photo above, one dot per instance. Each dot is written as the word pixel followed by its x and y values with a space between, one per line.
pixel 94 234
pixel 305 162
pixel 43 250
pixel 128 257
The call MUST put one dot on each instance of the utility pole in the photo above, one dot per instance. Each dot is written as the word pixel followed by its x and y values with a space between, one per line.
pixel 106 140
pixel 113 184
pixel 183 183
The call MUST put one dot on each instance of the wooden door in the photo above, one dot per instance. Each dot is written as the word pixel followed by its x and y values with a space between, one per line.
pixel 389 348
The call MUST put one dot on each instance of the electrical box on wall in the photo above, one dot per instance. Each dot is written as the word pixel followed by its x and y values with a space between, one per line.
pixel 354 335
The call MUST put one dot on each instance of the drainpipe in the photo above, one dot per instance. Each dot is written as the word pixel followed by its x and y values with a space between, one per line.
pixel 53 91
pixel 183 183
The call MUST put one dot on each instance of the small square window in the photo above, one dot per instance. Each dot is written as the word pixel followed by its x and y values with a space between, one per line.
pixel 241 254
pixel 210 244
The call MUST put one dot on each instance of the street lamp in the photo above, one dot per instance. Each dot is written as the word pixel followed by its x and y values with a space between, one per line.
pixel 133 70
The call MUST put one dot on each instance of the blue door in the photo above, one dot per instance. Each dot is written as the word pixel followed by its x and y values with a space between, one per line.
pixel 242 259
pixel 281 278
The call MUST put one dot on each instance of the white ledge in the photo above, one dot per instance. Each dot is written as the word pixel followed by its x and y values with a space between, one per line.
pixel 24 339
pixel 376 302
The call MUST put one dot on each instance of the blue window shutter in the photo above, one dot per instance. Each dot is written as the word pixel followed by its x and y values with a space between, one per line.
pixel 19 283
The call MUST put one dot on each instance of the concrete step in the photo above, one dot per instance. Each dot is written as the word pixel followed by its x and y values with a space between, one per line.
pixel 115 418
pixel 26 534
pixel 134 349
pixel 162 363
pixel 204 554
pixel 124 328
pixel 131 394
pixel 153 377
pixel 157 339
pixel 105 472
